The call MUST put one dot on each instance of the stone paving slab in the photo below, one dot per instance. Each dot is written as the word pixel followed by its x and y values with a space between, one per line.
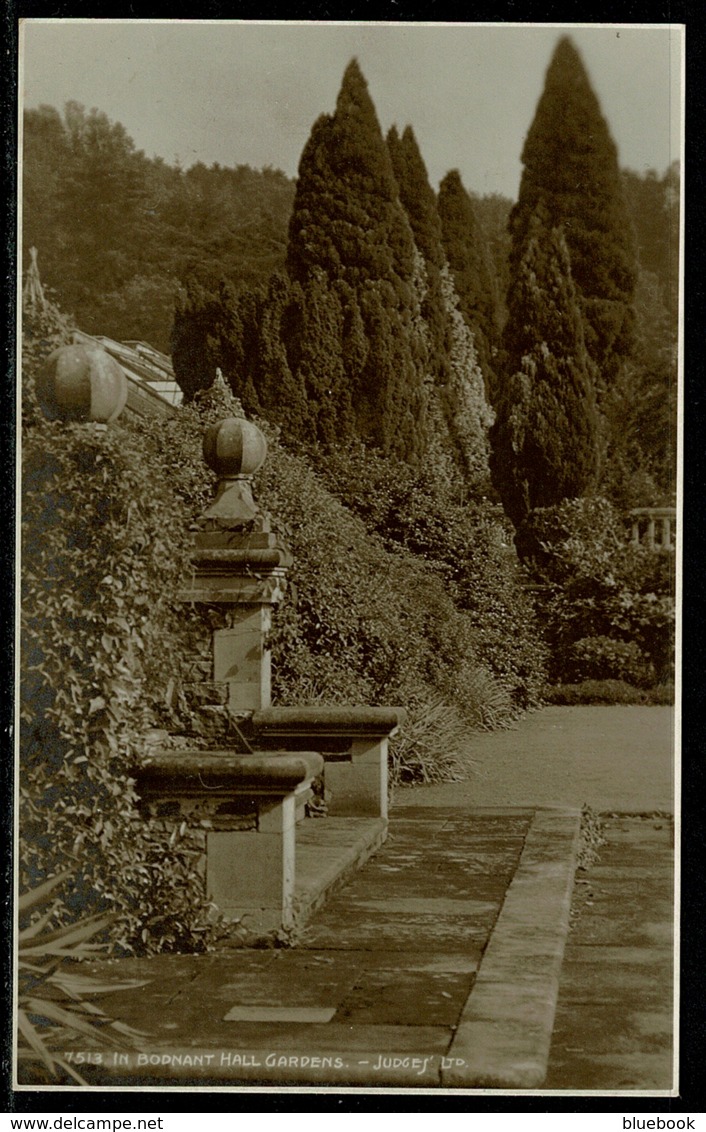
pixel 377 991
pixel 614 1021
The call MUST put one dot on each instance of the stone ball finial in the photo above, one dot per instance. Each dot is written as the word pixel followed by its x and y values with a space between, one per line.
pixel 81 383
pixel 234 447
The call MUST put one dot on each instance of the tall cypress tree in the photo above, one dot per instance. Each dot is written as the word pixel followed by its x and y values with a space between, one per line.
pixel 347 217
pixel 195 355
pixel 348 223
pixel 546 439
pixel 461 415
pixel 419 202
pixel 469 260
pixel 571 171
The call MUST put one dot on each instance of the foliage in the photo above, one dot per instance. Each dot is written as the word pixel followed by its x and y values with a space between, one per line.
pixel 432 746
pixel 361 624
pixel 595 584
pixel 118 233
pixel 350 236
pixel 571 173
pixel 546 439
pixel 646 402
pixel 469 261
pixel 571 183
pixel 608 692
pixel 653 203
pixel 604 658
pixel 103 555
pixel 492 212
pixel 419 202
pixel 465 544
pixel 51 1005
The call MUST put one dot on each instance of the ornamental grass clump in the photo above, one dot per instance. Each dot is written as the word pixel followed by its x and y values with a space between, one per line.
pixel 432 745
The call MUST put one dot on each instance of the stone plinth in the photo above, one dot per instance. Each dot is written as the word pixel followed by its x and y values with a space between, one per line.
pixel 240 565
pixel 247 805
pixel 354 744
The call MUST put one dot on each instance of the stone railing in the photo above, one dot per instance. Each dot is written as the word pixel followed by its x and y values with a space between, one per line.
pixel 653 527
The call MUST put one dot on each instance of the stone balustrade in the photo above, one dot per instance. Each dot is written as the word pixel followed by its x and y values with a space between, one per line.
pixel 653 527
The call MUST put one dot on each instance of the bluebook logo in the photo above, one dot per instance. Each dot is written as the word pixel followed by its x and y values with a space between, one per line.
pixel 634 1122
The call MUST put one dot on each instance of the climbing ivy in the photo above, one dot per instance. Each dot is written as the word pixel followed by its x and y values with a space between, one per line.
pixel 103 554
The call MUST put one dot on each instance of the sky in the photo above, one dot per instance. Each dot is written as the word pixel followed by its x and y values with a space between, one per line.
pixel 237 92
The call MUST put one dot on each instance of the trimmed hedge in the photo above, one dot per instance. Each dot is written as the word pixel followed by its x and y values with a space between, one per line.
pixel 608 692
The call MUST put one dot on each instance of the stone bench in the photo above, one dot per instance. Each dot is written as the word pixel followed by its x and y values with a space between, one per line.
pixel 247 805
pixel 353 742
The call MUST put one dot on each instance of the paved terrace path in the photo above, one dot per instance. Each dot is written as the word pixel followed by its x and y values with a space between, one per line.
pixel 613 1024
pixel 440 962
pixel 610 758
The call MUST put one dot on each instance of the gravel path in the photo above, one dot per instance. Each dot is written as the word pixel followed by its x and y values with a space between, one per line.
pixel 610 758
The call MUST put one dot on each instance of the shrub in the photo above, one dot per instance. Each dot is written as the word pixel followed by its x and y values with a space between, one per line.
pixel 432 746
pixel 361 623
pixel 608 692
pixel 466 543
pixel 603 658
pixel 594 584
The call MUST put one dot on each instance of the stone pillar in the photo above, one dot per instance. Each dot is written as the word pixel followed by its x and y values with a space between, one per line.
pixel 666 543
pixel 359 785
pixel 239 565
pixel 250 875
pixel 651 527
pixel 247 806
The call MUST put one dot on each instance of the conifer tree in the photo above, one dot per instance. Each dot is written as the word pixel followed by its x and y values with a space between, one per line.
pixel 194 350
pixel 348 223
pixel 571 171
pixel 468 258
pixel 460 413
pixel 466 410
pixel 419 202
pixel 546 439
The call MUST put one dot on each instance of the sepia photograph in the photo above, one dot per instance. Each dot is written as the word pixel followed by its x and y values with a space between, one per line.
pixel 348 558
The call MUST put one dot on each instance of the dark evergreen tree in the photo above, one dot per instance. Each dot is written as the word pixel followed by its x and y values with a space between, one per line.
pixel 571 172
pixel 349 224
pixel 195 352
pixel 419 202
pixel 347 218
pixel 546 439
pixel 468 258
pixel 492 214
